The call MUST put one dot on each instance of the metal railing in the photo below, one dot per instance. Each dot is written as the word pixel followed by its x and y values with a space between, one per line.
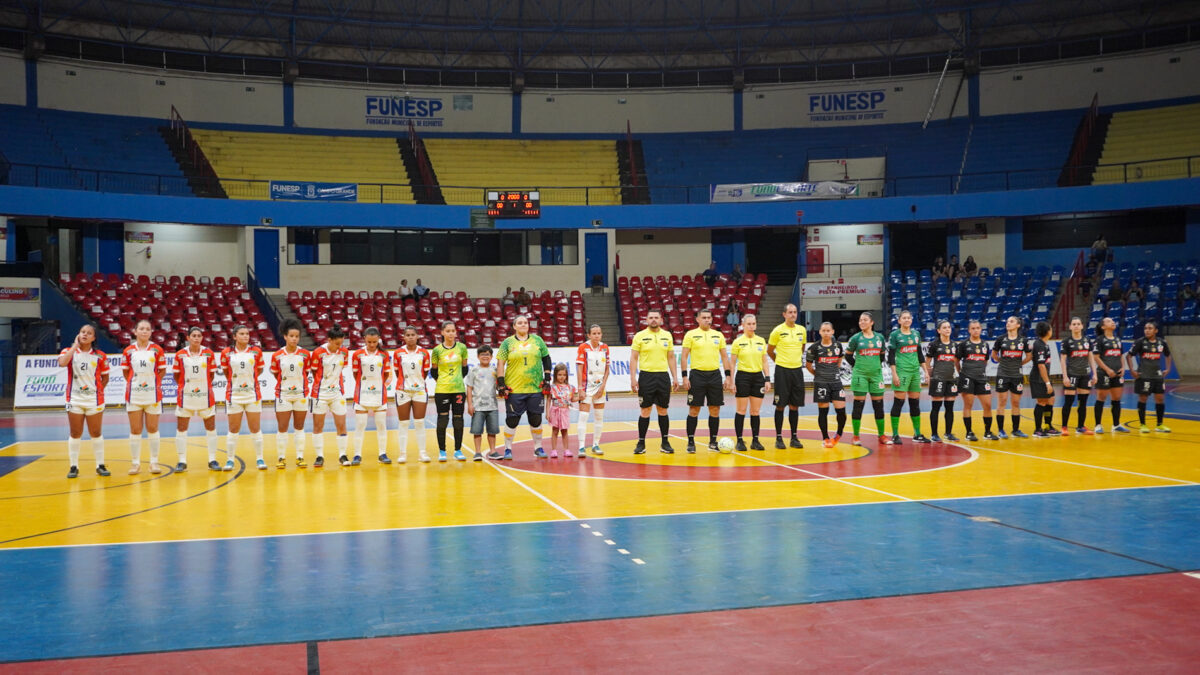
pixel 34 175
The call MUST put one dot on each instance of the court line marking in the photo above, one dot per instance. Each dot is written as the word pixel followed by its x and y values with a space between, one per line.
pixel 1089 466
pixel 838 480
pixel 535 493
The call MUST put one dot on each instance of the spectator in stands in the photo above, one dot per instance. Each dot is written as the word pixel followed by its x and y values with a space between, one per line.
pixel 522 298
pixel 734 317
pixel 420 290
pixel 1100 248
pixel 1116 293
pixel 1188 293
pixel 405 291
pixel 939 267
pixel 737 274
pixel 710 274
pixel 1135 293
pixel 969 267
pixel 953 269
pixel 509 298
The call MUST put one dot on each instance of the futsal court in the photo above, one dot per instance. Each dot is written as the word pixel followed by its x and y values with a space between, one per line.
pixel 1058 554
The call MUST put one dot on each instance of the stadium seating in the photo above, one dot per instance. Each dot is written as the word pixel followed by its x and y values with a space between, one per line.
pixel 1162 285
pixel 557 316
pixel 679 298
pixel 245 160
pixel 116 303
pixel 989 297
pixel 1156 141
pixel 561 169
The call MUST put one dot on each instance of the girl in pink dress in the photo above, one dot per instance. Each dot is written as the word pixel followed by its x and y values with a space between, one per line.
pixel 562 394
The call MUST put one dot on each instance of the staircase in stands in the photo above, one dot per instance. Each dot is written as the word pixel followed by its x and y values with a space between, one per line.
pixel 601 308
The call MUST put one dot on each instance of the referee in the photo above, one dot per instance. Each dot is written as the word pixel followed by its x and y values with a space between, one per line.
pixel 653 349
pixel 704 352
pixel 786 349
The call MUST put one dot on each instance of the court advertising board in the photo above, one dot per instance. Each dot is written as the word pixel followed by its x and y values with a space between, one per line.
pixel 771 192
pixel 302 190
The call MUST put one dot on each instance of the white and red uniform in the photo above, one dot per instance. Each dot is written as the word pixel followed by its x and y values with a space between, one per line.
pixel 291 379
pixel 326 365
pixel 193 380
pixel 242 368
pixel 143 370
pixel 593 362
pixel 371 371
pixel 411 368
pixel 85 379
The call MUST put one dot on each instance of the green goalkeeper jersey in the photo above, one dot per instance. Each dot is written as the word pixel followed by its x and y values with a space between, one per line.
pixel 907 350
pixel 868 354
pixel 523 363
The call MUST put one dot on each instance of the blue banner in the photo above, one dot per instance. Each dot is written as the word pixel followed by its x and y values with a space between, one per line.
pixel 344 192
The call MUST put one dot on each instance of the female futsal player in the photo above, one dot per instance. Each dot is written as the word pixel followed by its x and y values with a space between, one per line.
pixel 144 364
pixel 87 375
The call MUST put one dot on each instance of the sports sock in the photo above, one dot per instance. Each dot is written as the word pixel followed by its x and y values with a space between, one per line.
pixel 181 446
pixel 73 450
pixel 98 448
pixel 755 421
pixel 421 437
pixel 381 432
pixel 856 415
pixel 300 439
pixel 360 430
pixel 1098 411
pixel 1016 422
pixel 155 440
pixel 403 445
pixel 281 442
pixel 935 409
pixel 1068 403
pixel 257 439
pixel 230 445
pixel 714 427
pixel 897 409
pixel 966 420
pixel 877 404
pixel 443 423
pixel 1037 417
pixel 582 427
pixel 135 450
pixel 779 421
pixel 823 421
pixel 948 406
pixel 692 421
pixel 999 422
pixel 318 443
pixel 1116 413
pixel 597 427
pixel 457 421
pixel 1160 410
pixel 841 420
pixel 1142 412
pixel 1082 413
pixel 914 413
pixel 987 424
pixel 643 427
pixel 739 424
pixel 793 420
pixel 1048 411
pixel 210 440
pixel 536 432
pixel 343 443
pixel 664 426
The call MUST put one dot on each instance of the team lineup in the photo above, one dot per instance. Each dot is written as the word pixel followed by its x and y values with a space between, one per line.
pixel 521 374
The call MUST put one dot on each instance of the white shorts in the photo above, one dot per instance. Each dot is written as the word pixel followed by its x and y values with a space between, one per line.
pixel 149 408
pixel 291 405
pixel 87 410
pixel 321 406
pixel 594 393
pixel 406 396
pixel 370 409
pixel 234 408
pixel 203 413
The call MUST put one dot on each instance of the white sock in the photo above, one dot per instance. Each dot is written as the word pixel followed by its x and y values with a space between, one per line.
pixel 210 438
pixel 154 439
pixel 258 444
pixel 343 442
pixel 181 446
pixel 381 432
pixel 135 450
pixel 360 430
pixel 281 439
pixel 73 450
pixel 404 425
pixel 597 427
pixel 536 432
pixel 583 419
pixel 98 449
pixel 230 445
pixel 299 438
pixel 318 441
pixel 421 437
pixel 509 432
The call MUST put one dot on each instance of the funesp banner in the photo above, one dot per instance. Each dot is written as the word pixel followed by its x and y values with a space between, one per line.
pixel 303 190
pixel 772 192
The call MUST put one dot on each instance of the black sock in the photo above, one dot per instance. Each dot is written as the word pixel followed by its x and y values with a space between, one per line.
pixel 1099 411
pixel 739 424
pixel 643 427
pixel 841 420
pixel 897 407
pixel 967 420
pixel 1116 413
pixel 714 427
pixel 823 422
pixel 1016 422
pixel 664 426
pixel 1037 418
pixel 458 432
pixel 779 422
pixel 755 421
pixel 1068 403
pixel 987 425
pixel 999 422
pixel 793 420
pixel 948 406
pixel 1142 412
pixel 1083 399
pixel 692 421
pixel 1160 409
pixel 443 421
pixel 1048 411
pixel 935 410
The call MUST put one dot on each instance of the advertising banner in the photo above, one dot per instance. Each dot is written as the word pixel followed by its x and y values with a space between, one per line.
pixel 342 192
pixel 771 192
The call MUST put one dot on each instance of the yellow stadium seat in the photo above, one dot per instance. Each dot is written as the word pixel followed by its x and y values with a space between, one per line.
pixel 566 172
pixel 1152 144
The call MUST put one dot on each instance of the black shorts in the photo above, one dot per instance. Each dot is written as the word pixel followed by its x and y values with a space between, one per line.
pixel 749 385
pixel 1106 382
pixel 450 402
pixel 943 388
pixel 1041 390
pixel 1083 382
pixel 706 387
pixel 516 405
pixel 654 389
pixel 789 386
pixel 1013 384
pixel 974 386
pixel 828 392
pixel 1143 386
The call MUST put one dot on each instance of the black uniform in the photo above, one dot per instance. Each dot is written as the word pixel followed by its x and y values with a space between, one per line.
pixel 1010 353
pixel 941 376
pixel 1108 351
pixel 1150 355
pixel 972 366
pixel 1079 362
pixel 1039 388
pixel 827 367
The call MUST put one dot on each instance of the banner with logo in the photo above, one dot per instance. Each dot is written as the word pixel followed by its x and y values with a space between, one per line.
pixel 342 192
pixel 770 192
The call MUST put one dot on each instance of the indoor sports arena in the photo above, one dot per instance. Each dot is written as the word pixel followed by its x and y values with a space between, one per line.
pixel 610 337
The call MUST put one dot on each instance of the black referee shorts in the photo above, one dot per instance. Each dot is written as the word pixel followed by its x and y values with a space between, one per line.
pixel 706 385
pixel 789 386
pixel 749 385
pixel 654 389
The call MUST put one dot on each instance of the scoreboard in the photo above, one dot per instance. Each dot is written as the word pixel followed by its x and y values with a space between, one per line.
pixel 514 203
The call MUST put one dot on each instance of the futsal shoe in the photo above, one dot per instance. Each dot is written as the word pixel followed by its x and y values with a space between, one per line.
pixel 1099 428
pixel 135 469
pixel 553 454
pixel 442 455
pixel 837 438
pixel 384 459
pixel 73 472
pixel 934 439
pixel 102 470
pixel 300 463
pixel 262 466
pixel 855 440
pixel 478 457
pixel 828 442
pixel 181 467
pixel 1145 429
pixel 1067 432
pixel 755 445
pixel 229 465
pixel 568 453
pixel 356 461
pixel 666 448
pixel 1051 431
pixel 1017 433
pixel 691 447
pixel 712 446
pixel 597 451
pixel 1001 435
pixel 213 466
pixel 345 461
pixel 458 454
pixel 583 452
pixel 779 444
pixel 894 440
pixel 970 437
pixel 424 458
pixel 952 438
pixel 989 436
pixel 155 468
pixel 319 463
pixel 539 453
pixel 1084 431
pixel 495 455
pixel 920 438
pixel 281 463
pixel 1038 433
pixel 508 455
pixel 1121 429
pixel 795 443
pixel 640 448
pixel 1162 429
pixel 741 445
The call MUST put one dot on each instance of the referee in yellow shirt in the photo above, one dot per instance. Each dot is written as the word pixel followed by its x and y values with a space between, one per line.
pixel 703 353
pixel 786 349
pixel 751 382
pixel 652 376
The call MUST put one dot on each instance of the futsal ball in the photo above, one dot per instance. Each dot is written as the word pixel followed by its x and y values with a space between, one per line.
pixel 725 445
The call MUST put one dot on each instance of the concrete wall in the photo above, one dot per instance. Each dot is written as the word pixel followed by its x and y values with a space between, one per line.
pixel 383 108
pixel 649 111
pixel 667 252
pixel 988 252
pixel 188 249
pixel 846 255
pixel 1185 349
pixel 822 104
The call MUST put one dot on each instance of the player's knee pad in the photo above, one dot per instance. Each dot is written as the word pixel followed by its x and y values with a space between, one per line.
pixel 859 404
pixel 535 421
pixel 598 414
pixel 897 406
pixel 877 404
pixel 512 421
pixel 914 406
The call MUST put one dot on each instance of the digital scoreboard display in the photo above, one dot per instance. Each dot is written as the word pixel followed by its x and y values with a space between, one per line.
pixel 514 204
